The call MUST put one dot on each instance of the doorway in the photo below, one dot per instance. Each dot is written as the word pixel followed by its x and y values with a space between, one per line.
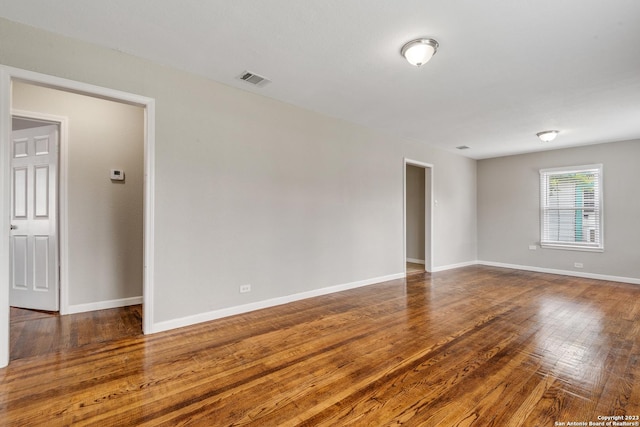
pixel 101 218
pixel 102 231
pixel 418 190
pixel 8 76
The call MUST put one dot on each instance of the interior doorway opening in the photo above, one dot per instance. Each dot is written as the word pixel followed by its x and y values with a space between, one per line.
pixel 418 203
pixel 10 76
pixel 92 258
pixel 101 218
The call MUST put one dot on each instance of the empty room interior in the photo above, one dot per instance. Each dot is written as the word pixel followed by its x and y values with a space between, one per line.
pixel 320 213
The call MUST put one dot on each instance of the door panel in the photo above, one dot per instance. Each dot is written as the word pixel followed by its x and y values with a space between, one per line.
pixel 34 248
pixel 20 252
pixel 41 263
pixel 42 145
pixel 41 198
pixel 20 193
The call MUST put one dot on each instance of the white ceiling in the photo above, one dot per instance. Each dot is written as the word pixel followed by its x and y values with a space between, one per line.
pixel 505 70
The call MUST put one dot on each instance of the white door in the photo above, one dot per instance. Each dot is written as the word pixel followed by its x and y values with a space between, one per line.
pixel 33 242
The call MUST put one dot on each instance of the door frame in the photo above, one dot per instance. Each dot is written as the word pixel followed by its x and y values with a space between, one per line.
pixel 61 195
pixel 9 74
pixel 428 211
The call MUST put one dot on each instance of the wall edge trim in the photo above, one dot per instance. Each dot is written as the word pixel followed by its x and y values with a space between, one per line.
pixel 452 266
pixel 103 305
pixel 606 277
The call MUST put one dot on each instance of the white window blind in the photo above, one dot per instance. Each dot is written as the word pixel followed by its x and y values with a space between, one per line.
pixel 571 207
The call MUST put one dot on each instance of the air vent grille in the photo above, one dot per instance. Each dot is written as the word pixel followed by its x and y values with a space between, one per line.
pixel 253 78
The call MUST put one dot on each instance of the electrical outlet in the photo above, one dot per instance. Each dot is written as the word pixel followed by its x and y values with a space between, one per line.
pixel 578 265
pixel 245 288
pixel 533 247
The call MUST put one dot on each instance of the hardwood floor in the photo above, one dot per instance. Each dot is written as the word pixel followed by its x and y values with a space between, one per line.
pixel 413 268
pixel 476 346
pixel 35 333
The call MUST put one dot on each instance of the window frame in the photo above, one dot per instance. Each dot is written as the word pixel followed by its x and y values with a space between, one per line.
pixel 577 246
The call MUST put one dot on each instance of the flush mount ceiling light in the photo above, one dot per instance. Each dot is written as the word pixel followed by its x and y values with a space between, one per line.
pixel 418 52
pixel 547 135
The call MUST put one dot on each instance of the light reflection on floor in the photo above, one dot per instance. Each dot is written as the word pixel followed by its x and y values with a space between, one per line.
pixel 572 343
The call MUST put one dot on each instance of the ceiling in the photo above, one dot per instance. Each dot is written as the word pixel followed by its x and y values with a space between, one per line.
pixel 505 69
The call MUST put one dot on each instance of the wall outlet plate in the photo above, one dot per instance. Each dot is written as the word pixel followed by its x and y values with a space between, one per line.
pixel 245 288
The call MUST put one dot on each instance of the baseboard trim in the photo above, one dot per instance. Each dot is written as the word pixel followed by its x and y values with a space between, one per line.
pixel 452 266
pixel 416 261
pixel 103 305
pixel 606 277
pixel 245 308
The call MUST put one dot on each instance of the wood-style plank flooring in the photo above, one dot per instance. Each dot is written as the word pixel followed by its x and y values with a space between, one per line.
pixel 477 346
pixel 413 268
pixel 35 333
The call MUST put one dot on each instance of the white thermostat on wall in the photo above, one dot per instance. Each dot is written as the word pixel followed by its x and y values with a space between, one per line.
pixel 117 175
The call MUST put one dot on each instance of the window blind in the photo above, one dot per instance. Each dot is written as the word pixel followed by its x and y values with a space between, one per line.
pixel 571 207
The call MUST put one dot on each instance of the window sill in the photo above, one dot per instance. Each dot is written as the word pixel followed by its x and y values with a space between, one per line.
pixel 571 248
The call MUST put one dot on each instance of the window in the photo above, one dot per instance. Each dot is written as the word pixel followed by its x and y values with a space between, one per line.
pixel 571 208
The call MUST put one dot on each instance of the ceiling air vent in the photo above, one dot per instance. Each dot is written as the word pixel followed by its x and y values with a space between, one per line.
pixel 462 147
pixel 254 78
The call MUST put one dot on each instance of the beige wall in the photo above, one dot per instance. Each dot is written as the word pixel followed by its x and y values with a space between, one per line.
pixel 254 191
pixel 104 218
pixel 415 212
pixel 509 210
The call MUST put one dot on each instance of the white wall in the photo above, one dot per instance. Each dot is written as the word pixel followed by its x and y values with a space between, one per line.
pixel 254 191
pixel 415 212
pixel 509 210
pixel 104 217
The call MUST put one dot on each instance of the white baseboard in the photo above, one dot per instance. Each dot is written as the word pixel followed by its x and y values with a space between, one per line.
pixel 631 280
pixel 416 261
pixel 103 305
pixel 452 266
pixel 245 308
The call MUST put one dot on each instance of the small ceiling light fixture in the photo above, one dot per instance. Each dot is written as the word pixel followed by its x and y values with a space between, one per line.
pixel 547 135
pixel 418 52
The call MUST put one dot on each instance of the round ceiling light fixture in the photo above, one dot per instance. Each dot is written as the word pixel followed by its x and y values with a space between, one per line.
pixel 418 52
pixel 547 135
